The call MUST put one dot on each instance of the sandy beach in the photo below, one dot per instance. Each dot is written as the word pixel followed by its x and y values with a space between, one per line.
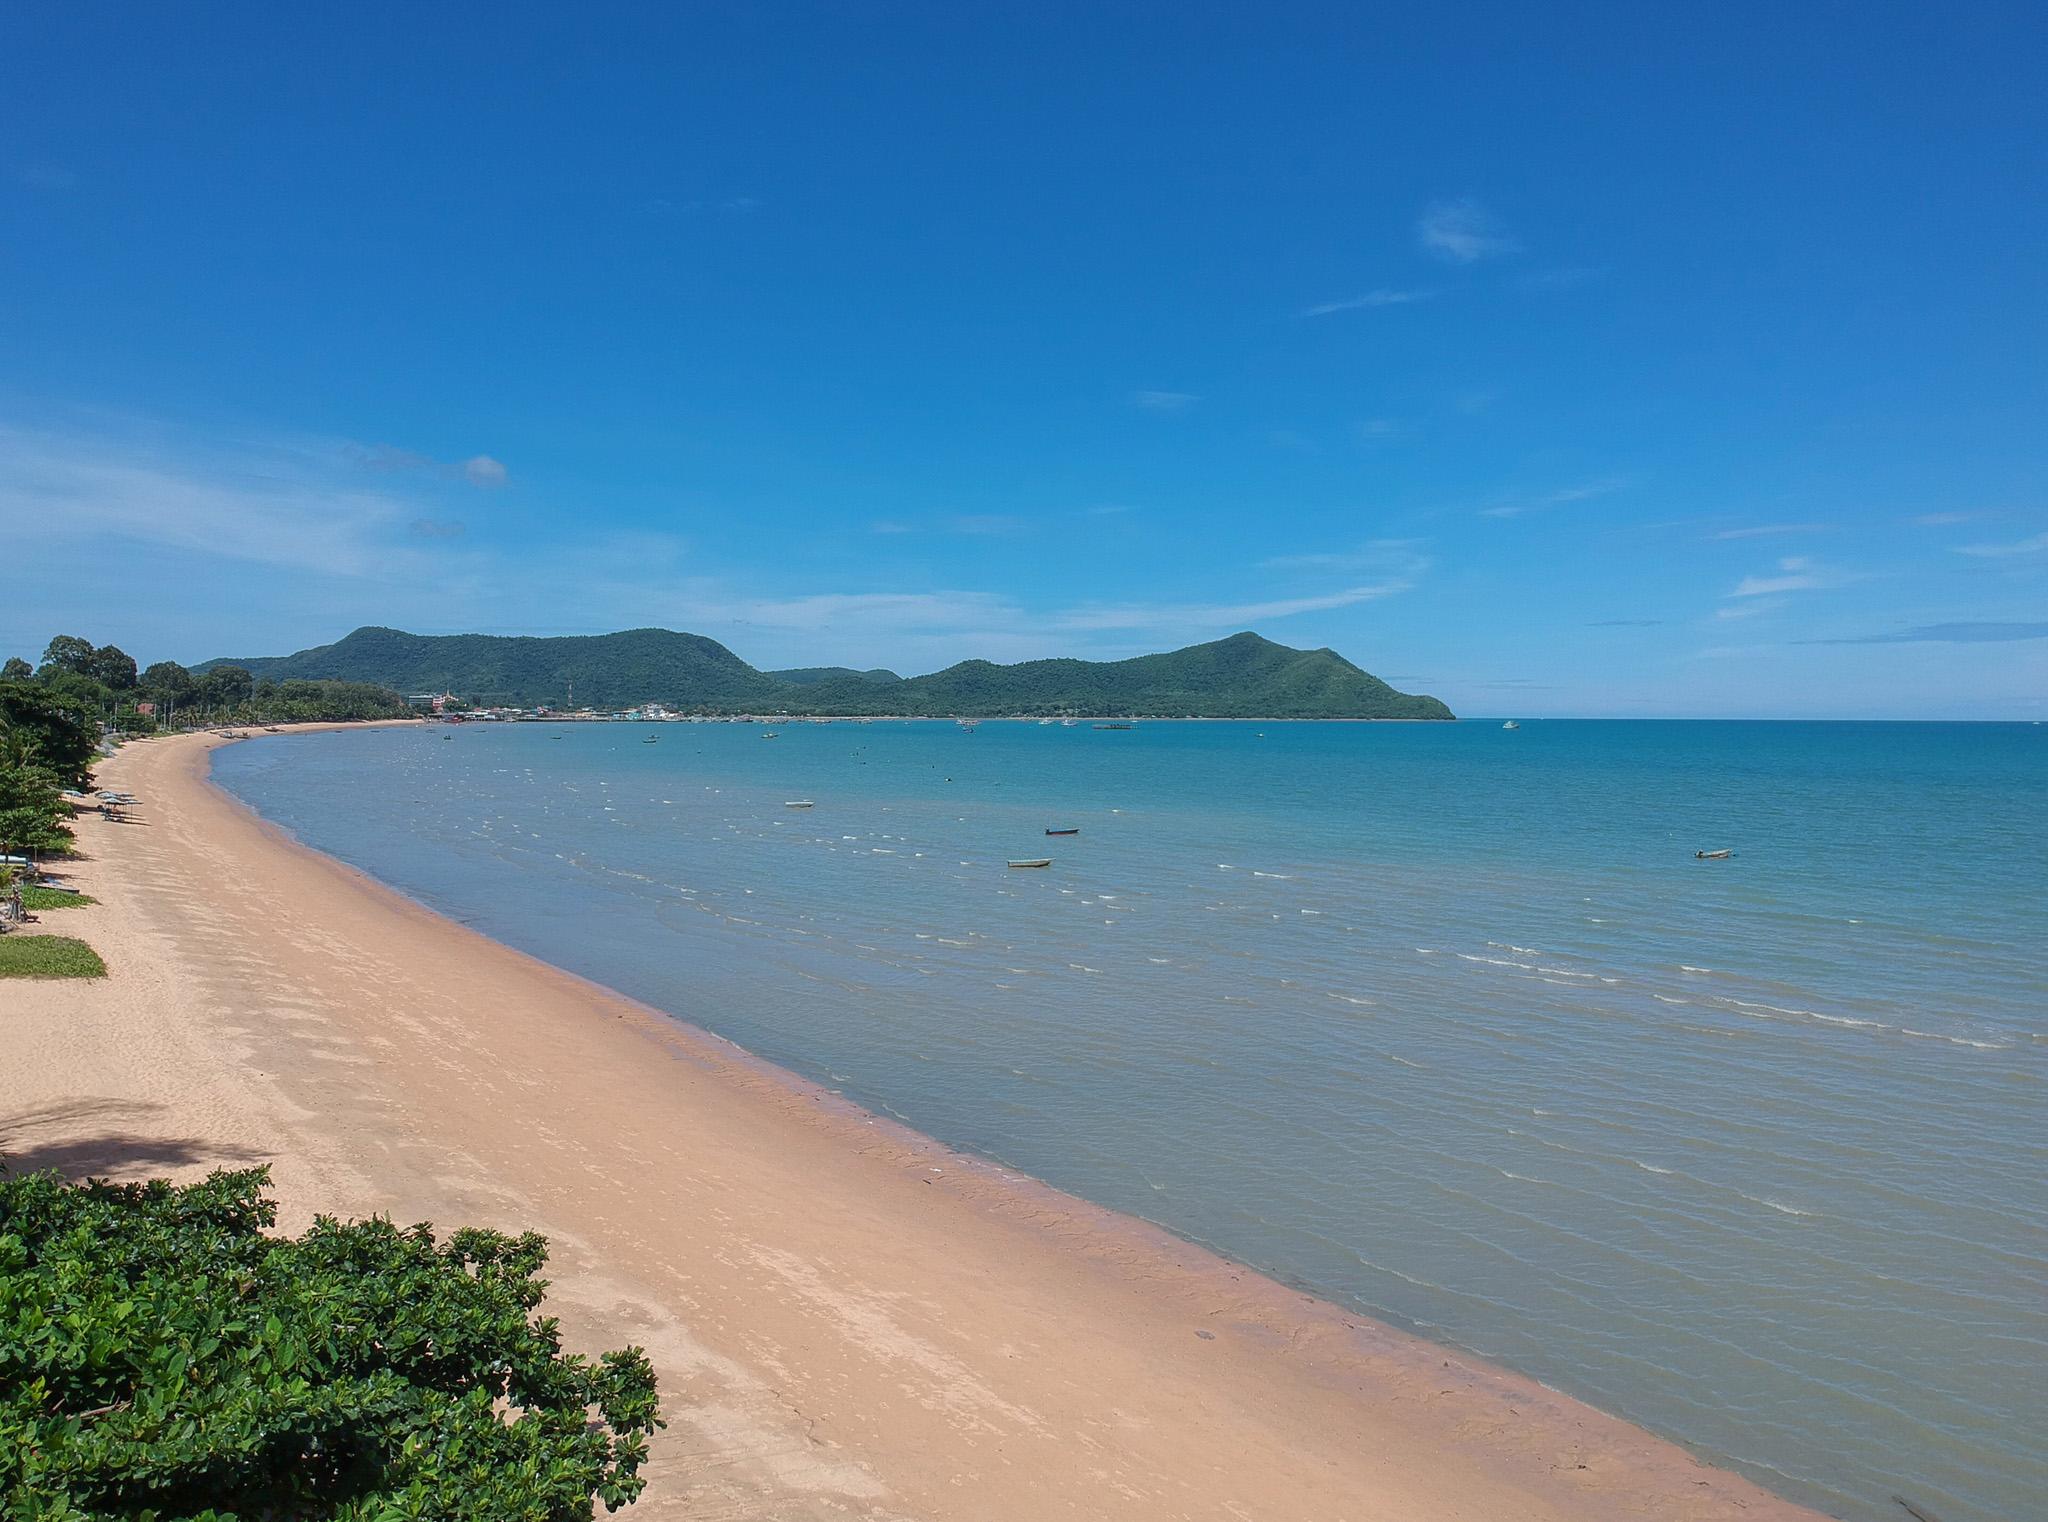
pixel 849 1320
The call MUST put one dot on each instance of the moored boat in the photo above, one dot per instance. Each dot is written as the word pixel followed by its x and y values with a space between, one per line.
pixel 1033 861
pixel 1721 855
pixel 1073 829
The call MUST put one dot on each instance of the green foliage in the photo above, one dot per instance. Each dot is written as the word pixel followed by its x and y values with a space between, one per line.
pixel 168 682
pixel 37 899
pixel 32 806
pixel 15 669
pixel 1241 677
pixel 225 686
pixel 161 1357
pixel 607 670
pixel 67 652
pixel 37 956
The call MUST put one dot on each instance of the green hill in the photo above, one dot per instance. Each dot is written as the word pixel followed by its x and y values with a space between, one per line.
pixel 607 670
pixel 1244 676
pixel 810 676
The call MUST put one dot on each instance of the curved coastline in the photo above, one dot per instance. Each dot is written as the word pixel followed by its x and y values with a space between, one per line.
pixel 871 1323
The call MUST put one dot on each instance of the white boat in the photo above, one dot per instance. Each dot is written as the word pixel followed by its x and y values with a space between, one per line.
pixel 1511 724
pixel 798 803
pixel 1033 861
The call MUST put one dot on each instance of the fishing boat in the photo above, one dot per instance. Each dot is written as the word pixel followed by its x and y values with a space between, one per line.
pixel 1033 861
pixel 1073 829
pixel 769 734
pixel 1721 855
pixel 652 740
pixel 798 803
pixel 1511 724
pixel 1120 724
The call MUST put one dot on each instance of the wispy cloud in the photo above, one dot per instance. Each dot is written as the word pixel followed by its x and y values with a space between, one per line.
pixel 1229 615
pixel 1964 633
pixel 1771 530
pixel 1795 573
pixel 1403 559
pixel 272 506
pixel 477 470
pixel 1371 299
pixel 2038 545
pixel 1944 520
pixel 986 524
pixel 1625 623
pixel 1164 401
pixel 888 526
pixel 1462 232
pixel 1584 491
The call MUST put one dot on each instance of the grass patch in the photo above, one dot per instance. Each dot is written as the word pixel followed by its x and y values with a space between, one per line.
pixel 48 956
pixel 49 898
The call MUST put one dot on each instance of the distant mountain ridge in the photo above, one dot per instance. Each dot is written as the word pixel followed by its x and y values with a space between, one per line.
pixel 1244 676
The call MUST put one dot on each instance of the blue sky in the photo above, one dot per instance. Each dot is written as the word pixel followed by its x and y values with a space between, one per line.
pixel 1568 359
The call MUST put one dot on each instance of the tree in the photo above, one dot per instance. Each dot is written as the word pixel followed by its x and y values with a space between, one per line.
pixel 168 682
pixel 16 670
pixel 67 652
pixel 32 806
pixel 63 736
pixel 113 666
pixel 225 686
pixel 162 1357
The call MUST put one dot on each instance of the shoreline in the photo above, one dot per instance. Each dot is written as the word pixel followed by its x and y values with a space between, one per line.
pixel 849 1317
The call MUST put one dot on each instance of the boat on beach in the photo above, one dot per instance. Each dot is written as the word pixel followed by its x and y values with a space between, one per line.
pixel 1033 861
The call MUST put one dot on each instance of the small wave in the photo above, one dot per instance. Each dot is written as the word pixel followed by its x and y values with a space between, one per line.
pixel 1283 876
pixel 1682 967
pixel 1982 1046
pixel 1362 1003
pixel 1666 999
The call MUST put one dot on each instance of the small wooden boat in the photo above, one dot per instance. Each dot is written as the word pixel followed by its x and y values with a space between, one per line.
pixel 1069 830
pixel 1722 855
pixel 1034 861
pixel 798 803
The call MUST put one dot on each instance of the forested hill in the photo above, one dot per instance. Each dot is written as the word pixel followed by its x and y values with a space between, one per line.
pixel 1244 676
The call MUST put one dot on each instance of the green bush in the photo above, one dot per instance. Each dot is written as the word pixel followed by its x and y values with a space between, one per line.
pixel 48 956
pixel 162 1358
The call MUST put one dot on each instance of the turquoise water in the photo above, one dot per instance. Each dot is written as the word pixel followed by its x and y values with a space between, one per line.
pixel 1441 1021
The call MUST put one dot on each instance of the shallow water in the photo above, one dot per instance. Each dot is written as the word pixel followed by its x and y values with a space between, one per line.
pixel 1441 1021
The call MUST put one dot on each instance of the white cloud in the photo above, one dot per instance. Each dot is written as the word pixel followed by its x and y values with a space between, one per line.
pixel 1770 530
pixel 1584 491
pixel 477 470
pixel 1795 573
pixel 1164 401
pixel 1379 298
pixel 1462 232
pixel 1202 616
pixel 2035 546
pixel 269 507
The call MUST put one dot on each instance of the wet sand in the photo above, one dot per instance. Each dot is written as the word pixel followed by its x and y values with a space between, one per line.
pixel 849 1320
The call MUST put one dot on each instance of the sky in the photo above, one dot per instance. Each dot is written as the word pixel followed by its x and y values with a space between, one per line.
pixel 1575 359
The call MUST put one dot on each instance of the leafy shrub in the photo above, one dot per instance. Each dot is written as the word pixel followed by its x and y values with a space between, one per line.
pixel 47 956
pixel 162 1358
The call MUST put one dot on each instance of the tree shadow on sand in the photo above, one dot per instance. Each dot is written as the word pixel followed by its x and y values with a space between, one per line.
pixel 103 1138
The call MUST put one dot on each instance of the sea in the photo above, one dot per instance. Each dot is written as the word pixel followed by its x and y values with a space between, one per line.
pixel 1445 1022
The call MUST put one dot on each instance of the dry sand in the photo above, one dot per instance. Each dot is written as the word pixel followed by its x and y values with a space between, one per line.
pixel 849 1320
